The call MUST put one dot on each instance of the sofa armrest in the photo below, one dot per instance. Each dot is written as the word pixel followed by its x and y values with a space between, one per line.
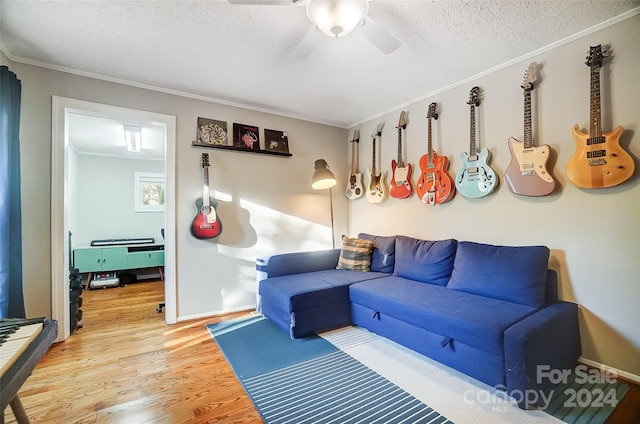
pixel 296 263
pixel 545 341
pixel 293 263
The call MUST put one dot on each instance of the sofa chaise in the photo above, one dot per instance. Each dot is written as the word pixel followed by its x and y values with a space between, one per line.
pixel 491 312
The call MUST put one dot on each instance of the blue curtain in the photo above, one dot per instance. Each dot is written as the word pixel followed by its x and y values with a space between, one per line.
pixel 11 296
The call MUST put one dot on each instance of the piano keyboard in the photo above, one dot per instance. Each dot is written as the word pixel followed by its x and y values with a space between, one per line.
pixel 16 342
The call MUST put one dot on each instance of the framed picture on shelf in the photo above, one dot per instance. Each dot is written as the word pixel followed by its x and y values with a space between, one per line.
pixel 211 133
pixel 276 141
pixel 246 137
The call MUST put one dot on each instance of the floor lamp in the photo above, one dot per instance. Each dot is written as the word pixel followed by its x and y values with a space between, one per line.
pixel 324 179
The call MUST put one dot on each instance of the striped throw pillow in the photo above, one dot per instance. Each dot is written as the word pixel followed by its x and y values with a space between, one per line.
pixel 355 254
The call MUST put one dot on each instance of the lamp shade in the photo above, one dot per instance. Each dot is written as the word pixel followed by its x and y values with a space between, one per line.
pixel 337 18
pixel 322 178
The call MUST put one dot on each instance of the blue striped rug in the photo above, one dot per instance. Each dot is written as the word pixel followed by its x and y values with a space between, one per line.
pixel 350 375
pixel 327 386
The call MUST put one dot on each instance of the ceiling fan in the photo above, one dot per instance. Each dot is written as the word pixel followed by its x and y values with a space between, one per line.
pixel 335 18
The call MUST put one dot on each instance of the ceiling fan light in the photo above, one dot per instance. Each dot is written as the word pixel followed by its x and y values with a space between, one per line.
pixel 337 18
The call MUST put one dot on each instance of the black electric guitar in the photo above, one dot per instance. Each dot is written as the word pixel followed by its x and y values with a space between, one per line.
pixel 206 223
pixel 354 185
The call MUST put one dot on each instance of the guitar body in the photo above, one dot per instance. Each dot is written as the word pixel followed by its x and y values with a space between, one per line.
pixel 400 186
pixel 206 224
pixel 435 186
pixel 476 178
pixel 376 189
pixel 354 186
pixel 599 164
pixel 527 173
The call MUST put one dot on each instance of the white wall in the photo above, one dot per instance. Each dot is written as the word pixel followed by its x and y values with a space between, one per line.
pixel 266 203
pixel 102 199
pixel 593 234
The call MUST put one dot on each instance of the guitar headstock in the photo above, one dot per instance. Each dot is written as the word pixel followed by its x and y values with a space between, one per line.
pixel 596 56
pixel 205 160
pixel 402 122
pixel 432 112
pixel 474 97
pixel 356 136
pixel 378 131
pixel 529 77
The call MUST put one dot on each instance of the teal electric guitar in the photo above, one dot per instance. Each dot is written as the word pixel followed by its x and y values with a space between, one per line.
pixel 476 178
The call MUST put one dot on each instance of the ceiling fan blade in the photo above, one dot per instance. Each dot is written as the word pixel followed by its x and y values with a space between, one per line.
pixel 307 44
pixel 380 38
pixel 268 2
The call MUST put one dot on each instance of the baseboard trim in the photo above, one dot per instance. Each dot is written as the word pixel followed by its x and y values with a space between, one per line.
pixel 624 374
pixel 212 314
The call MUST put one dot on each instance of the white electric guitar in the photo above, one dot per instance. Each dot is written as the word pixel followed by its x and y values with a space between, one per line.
pixel 354 185
pixel 377 188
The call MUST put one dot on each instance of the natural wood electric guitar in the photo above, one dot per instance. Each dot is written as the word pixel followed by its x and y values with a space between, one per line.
pixel 206 223
pixel 354 185
pixel 400 186
pixel 598 161
pixel 435 185
pixel 376 188
pixel 527 172
pixel 476 178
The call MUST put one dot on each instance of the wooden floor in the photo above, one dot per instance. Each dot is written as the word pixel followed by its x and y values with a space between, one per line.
pixel 127 366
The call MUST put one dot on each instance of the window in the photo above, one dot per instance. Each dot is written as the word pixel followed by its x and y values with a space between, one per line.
pixel 149 192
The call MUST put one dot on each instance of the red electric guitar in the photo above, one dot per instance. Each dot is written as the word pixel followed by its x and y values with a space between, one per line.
pixel 400 186
pixel 435 185
pixel 206 223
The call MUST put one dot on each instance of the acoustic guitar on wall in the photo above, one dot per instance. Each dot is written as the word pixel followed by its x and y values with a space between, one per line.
pixel 400 186
pixel 527 173
pixel 435 186
pixel 354 185
pixel 598 161
pixel 476 178
pixel 206 224
pixel 376 187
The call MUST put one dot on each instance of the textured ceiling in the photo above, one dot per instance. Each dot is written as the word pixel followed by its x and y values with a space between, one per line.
pixel 239 54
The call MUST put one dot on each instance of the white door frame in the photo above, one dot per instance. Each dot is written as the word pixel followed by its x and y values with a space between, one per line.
pixel 60 107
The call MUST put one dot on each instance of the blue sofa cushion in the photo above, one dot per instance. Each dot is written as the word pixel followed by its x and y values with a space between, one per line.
pixel 425 261
pixel 383 258
pixel 474 320
pixel 312 289
pixel 514 274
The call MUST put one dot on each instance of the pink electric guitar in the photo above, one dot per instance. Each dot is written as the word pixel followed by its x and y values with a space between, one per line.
pixel 206 223
pixel 527 173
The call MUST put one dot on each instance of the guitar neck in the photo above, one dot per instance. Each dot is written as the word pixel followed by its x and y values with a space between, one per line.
pixel 528 134
pixel 353 158
pixel 595 128
pixel 205 188
pixel 373 158
pixel 429 149
pixel 472 135
pixel 400 147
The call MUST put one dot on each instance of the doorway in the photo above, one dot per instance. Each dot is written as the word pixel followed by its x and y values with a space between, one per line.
pixel 65 112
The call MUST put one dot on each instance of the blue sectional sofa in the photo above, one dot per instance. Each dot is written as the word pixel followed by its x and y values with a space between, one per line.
pixel 491 312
